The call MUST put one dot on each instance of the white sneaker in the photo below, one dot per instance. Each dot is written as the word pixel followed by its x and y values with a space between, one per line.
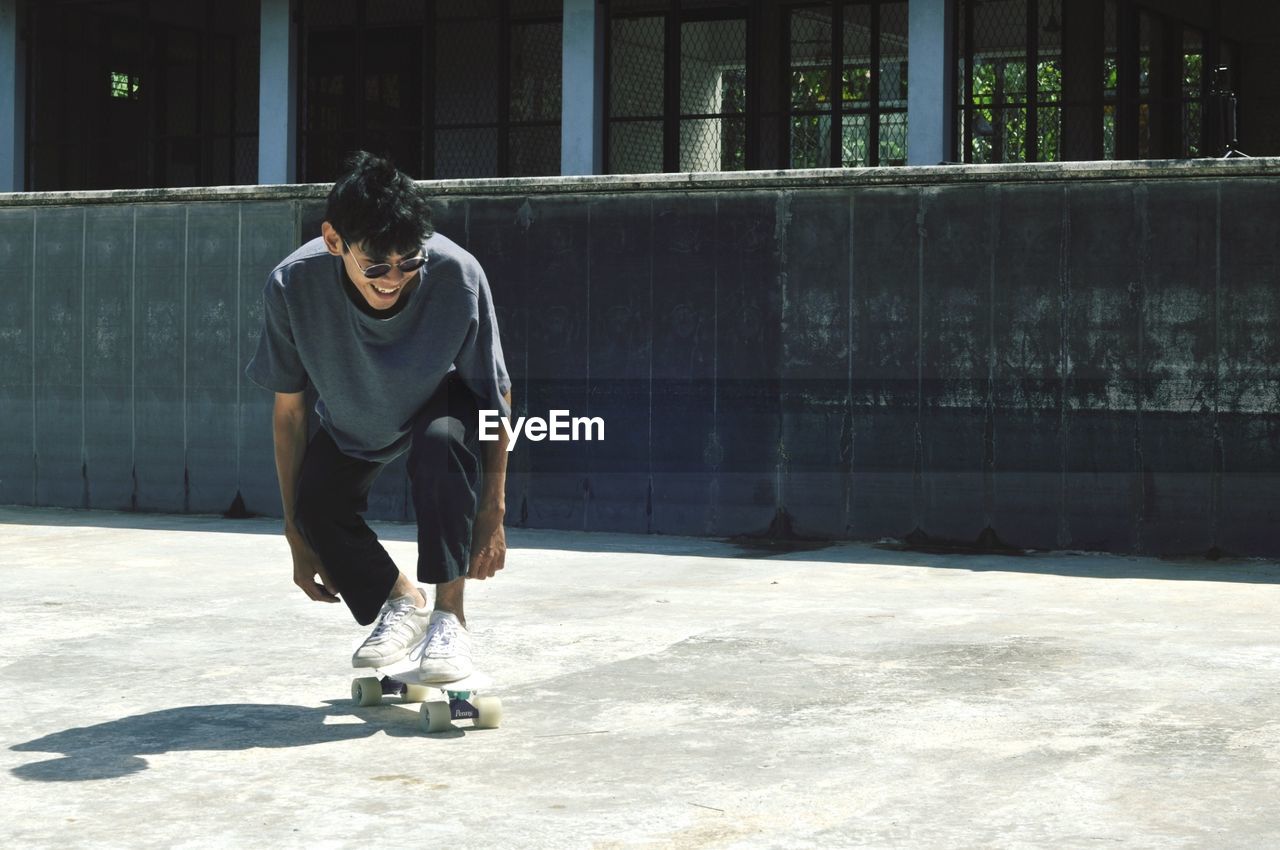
pixel 400 626
pixel 445 653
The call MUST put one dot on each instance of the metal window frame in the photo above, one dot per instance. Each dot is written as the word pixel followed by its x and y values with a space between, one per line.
pixel 1128 97
pixel 737 12
pixel 674 17
pixel 427 164
pixel 428 128
pixel 150 67
pixel 355 100
pixel 1175 31
pixel 1032 141
pixel 1031 103
pixel 874 111
pixel 504 124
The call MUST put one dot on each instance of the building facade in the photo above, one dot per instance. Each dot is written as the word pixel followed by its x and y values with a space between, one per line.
pixel 99 94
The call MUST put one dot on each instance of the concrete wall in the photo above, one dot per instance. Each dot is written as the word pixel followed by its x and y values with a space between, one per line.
pixel 1079 356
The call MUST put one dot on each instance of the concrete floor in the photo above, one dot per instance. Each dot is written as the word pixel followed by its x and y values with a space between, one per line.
pixel 164 685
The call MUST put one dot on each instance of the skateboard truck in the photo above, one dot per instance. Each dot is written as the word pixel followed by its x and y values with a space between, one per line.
pixel 442 703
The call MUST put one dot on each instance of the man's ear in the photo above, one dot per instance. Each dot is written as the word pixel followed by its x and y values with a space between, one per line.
pixel 332 240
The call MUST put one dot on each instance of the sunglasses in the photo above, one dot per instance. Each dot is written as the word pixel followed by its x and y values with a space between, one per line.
pixel 383 269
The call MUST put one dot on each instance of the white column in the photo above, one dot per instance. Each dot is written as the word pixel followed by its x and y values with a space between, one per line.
pixel 277 94
pixel 13 90
pixel 582 101
pixel 931 78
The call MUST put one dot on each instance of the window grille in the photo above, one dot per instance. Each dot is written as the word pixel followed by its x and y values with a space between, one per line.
pixel 866 119
pixel 141 95
pixel 449 89
pixel 678 86
pixel 1011 80
pixel 637 64
pixel 1045 80
pixel 1172 88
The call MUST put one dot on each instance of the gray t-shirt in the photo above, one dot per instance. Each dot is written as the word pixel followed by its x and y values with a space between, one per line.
pixel 374 374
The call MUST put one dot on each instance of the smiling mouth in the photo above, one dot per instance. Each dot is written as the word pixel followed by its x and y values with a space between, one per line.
pixel 382 291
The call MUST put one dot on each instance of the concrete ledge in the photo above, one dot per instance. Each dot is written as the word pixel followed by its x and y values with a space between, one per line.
pixel 614 184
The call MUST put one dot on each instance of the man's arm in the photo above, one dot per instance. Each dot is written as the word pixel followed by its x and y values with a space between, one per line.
pixel 488 539
pixel 289 428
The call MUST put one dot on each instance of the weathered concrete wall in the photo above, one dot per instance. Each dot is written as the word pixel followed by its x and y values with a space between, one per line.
pixel 1072 357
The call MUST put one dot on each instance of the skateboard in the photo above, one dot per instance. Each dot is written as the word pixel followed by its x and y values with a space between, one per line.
pixel 442 702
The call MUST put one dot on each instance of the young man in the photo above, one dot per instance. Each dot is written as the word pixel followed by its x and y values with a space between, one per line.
pixel 393 324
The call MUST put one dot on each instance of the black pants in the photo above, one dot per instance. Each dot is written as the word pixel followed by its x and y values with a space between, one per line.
pixel 444 475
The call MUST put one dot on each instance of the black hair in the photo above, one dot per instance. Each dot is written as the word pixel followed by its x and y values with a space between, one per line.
pixel 378 206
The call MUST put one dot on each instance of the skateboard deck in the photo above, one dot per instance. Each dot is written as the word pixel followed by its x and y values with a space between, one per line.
pixel 442 702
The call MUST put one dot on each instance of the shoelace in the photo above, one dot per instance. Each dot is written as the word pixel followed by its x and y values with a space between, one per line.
pixel 442 635
pixel 389 620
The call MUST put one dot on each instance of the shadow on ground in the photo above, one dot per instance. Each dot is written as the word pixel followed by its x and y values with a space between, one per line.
pixel 116 748
pixel 913 550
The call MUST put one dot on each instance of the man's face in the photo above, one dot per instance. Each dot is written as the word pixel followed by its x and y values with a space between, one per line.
pixel 381 292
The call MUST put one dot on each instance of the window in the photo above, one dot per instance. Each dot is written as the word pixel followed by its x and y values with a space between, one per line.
pixel 678 87
pixel 1011 80
pixel 497 88
pixel 447 89
pixel 1172 88
pixel 1045 80
pixel 131 94
pixel 864 116
pixel 124 86
pixel 728 85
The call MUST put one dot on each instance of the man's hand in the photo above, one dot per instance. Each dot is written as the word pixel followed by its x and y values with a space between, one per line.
pixel 488 544
pixel 488 539
pixel 306 567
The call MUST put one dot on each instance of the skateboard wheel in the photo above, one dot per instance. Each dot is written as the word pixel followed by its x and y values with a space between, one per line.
pixel 366 691
pixel 416 693
pixel 488 712
pixel 435 716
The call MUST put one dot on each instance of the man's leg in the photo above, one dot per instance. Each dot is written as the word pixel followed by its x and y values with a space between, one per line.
pixel 449 598
pixel 445 476
pixel 333 489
